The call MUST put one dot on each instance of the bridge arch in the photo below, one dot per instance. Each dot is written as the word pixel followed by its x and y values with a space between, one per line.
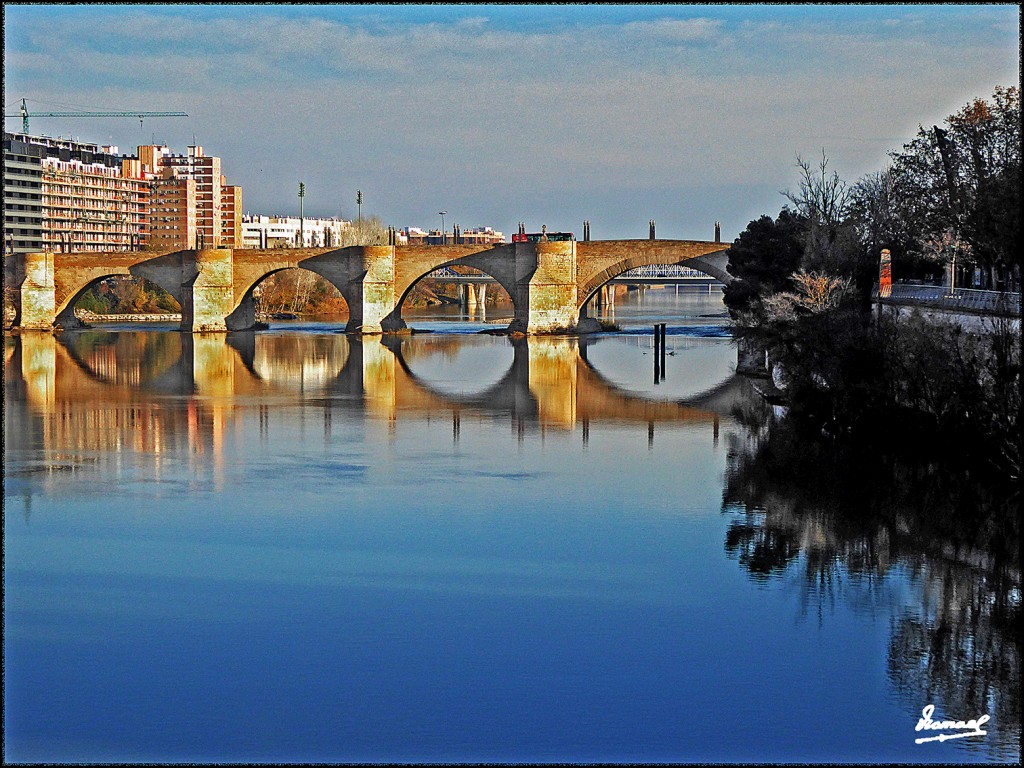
pixel 590 284
pixel 497 262
pixel 243 316
pixel 396 316
pixel 76 283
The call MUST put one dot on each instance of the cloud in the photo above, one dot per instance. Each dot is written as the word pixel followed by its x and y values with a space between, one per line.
pixel 540 105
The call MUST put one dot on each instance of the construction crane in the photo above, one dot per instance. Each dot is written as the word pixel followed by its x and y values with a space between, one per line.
pixel 24 115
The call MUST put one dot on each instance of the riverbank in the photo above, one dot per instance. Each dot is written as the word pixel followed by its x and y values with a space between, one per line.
pixel 150 317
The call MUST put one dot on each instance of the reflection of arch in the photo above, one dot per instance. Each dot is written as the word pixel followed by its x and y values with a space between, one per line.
pixel 158 378
pixel 719 398
pixel 194 362
pixel 310 360
pixel 551 380
pixel 511 391
pixel 595 396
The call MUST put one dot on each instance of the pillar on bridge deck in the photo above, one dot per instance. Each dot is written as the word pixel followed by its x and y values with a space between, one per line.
pixel 371 294
pixel 207 290
pixel 36 297
pixel 546 287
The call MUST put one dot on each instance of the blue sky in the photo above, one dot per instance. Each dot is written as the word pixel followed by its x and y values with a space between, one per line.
pixel 498 114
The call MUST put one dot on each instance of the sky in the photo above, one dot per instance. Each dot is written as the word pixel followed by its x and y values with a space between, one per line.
pixel 496 114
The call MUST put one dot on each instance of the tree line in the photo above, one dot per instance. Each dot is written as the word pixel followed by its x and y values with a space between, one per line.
pixel 947 207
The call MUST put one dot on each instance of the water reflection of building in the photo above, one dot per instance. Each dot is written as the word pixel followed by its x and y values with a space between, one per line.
pixel 97 395
pixel 312 361
pixel 88 417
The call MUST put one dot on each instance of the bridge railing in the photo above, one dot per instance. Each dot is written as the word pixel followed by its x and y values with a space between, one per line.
pixel 449 274
pixel 966 299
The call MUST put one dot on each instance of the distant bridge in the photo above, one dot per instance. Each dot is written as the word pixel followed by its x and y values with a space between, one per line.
pixel 549 283
pixel 668 274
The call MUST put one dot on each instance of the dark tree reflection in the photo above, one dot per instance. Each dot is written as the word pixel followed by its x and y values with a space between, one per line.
pixel 874 527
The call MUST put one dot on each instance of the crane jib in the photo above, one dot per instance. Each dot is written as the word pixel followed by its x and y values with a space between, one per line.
pixel 24 114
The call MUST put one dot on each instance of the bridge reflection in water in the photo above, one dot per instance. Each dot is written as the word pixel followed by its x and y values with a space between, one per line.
pixel 98 393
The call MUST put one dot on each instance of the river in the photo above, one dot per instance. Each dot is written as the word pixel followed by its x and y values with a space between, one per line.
pixel 293 545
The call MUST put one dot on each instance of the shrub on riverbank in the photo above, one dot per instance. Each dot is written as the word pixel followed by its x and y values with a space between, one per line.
pixel 929 388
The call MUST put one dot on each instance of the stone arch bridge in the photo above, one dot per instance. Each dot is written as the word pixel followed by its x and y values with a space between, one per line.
pixel 549 282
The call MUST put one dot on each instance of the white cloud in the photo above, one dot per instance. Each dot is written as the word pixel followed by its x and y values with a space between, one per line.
pixel 477 107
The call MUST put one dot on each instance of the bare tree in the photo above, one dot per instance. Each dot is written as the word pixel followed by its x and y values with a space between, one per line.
pixel 823 199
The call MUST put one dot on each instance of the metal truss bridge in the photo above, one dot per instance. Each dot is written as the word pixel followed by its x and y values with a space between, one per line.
pixel 657 273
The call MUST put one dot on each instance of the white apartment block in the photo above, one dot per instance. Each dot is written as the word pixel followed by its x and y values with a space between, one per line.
pixel 284 232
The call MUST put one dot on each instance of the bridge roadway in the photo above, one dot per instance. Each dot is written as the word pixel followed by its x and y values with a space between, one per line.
pixel 549 282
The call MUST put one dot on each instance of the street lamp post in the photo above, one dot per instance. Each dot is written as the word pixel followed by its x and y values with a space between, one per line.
pixel 442 215
pixel 302 233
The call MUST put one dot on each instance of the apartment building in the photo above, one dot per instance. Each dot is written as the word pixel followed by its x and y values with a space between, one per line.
pixel 23 195
pixel 173 213
pixel 193 204
pixel 66 195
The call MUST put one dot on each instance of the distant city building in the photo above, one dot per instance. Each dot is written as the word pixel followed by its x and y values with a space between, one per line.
pixel 411 236
pixel 66 195
pixel 480 235
pixel 474 236
pixel 284 232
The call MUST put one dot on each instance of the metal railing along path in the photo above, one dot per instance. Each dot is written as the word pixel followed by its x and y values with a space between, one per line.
pixel 941 297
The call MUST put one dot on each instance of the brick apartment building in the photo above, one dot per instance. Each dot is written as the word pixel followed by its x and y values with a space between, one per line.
pixel 66 195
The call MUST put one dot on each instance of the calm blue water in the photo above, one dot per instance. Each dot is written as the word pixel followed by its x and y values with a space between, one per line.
pixel 292 546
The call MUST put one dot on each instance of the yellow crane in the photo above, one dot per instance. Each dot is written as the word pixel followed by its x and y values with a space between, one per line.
pixel 24 115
